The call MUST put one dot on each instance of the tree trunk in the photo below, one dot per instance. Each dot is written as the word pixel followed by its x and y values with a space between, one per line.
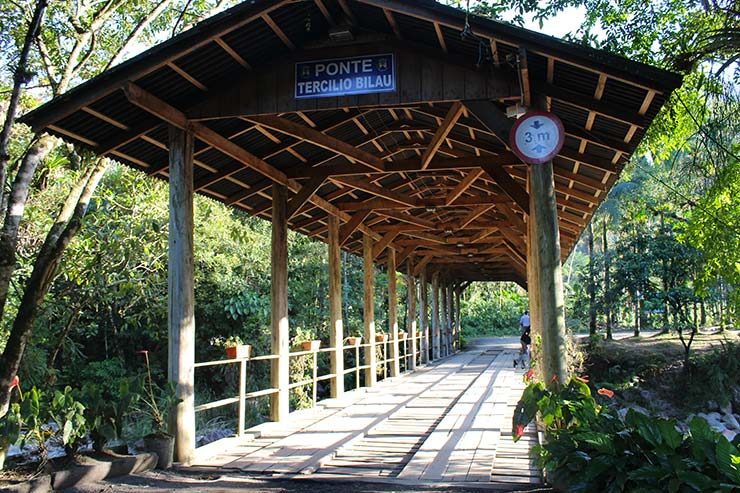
pixel 67 224
pixel 591 282
pixel 607 283
pixel 16 206
pixel 20 77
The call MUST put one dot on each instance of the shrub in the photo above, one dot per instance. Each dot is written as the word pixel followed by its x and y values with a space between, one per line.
pixel 590 447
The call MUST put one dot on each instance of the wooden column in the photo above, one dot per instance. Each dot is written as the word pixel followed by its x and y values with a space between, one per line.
pixel 435 316
pixel 450 327
pixel 458 322
pixel 371 373
pixel 424 316
pixel 336 330
pixel 181 292
pixel 411 317
pixel 393 313
pixel 547 279
pixel 279 374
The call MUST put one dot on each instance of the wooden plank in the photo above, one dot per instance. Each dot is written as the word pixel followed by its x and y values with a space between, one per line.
pixel 351 226
pixel 336 331
pixel 509 186
pixel 278 31
pixel 444 129
pixel 392 22
pixel 383 243
pixel 366 186
pixel 182 73
pixel 320 139
pixel 303 195
pixel 463 186
pixel 233 54
pixel 440 37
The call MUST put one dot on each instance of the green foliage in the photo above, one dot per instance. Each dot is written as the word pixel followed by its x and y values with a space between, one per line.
pixel 713 375
pixel 69 416
pixel 106 412
pixel 492 309
pixel 591 448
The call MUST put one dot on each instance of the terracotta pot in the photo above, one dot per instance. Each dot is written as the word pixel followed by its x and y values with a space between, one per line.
pixel 242 351
pixel 381 337
pixel 401 336
pixel 163 445
pixel 311 345
pixel 354 341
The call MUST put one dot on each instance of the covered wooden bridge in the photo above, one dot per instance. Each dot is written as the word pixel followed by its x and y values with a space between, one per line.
pixel 380 127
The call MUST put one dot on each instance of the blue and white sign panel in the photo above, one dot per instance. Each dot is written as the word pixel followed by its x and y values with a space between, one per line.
pixel 345 76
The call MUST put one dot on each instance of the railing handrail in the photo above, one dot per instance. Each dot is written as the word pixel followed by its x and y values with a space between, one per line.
pixel 244 396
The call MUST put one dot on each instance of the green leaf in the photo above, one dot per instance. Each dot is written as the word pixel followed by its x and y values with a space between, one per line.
pixel 697 480
pixel 728 460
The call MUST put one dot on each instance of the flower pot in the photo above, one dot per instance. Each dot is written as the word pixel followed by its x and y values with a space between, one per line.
pixel 163 445
pixel 242 351
pixel 311 345
pixel 381 337
pixel 418 334
pixel 401 336
pixel 354 341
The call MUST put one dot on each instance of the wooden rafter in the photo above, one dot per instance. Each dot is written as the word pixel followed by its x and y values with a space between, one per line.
pixel 320 139
pixel 278 31
pixel 303 196
pixel 233 54
pixel 392 22
pixel 463 186
pixel 346 230
pixel 444 129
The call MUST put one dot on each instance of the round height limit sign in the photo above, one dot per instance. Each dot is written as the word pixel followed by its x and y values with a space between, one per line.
pixel 537 137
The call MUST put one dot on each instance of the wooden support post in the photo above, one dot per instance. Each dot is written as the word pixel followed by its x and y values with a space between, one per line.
pixel 458 321
pixel 371 360
pixel 280 374
pixel 545 239
pixel 424 316
pixel 532 290
pixel 411 317
pixel 435 316
pixel 393 313
pixel 448 304
pixel 336 332
pixel 181 309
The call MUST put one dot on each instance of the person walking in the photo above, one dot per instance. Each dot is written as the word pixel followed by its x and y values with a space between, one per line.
pixel 525 339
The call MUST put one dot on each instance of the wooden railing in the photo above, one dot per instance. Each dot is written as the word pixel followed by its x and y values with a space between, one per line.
pixel 243 396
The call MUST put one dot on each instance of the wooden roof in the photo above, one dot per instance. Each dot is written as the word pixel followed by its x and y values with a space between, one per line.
pixel 426 171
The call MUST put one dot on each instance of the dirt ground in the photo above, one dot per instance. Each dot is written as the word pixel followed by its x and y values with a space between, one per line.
pixel 166 482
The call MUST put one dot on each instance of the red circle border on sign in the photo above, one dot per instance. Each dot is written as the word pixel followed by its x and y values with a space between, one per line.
pixel 558 147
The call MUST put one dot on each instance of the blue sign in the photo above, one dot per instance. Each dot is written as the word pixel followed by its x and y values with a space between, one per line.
pixel 345 76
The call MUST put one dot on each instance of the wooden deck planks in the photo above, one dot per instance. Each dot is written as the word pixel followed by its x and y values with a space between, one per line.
pixel 448 423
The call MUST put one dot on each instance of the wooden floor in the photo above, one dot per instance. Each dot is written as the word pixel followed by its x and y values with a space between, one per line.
pixel 448 423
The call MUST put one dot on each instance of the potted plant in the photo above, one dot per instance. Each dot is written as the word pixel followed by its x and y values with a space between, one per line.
pixel 381 337
pixel 311 345
pixel 236 349
pixel 401 335
pixel 354 340
pixel 158 403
